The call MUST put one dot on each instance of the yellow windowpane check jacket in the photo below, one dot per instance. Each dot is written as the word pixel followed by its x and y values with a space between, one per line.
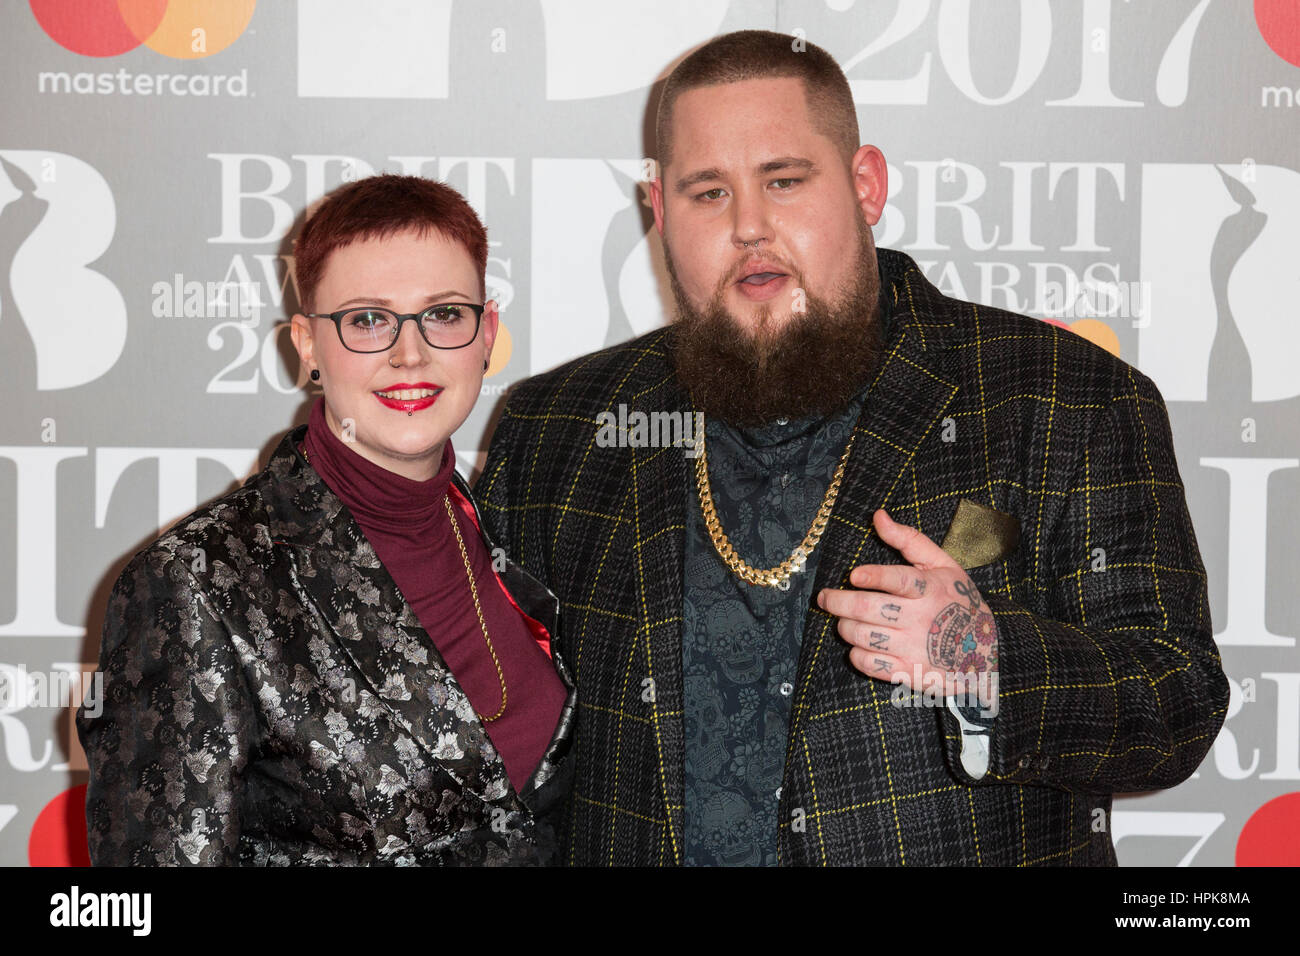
pixel 1110 679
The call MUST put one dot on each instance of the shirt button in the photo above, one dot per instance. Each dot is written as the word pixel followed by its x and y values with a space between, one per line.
pixel 778 793
pixel 783 421
pixel 785 480
pixel 787 689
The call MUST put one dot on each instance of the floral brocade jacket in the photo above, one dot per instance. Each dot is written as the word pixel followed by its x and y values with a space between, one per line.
pixel 271 698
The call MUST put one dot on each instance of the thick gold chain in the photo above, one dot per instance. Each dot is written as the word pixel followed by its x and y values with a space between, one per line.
pixel 478 609
pixel 779 576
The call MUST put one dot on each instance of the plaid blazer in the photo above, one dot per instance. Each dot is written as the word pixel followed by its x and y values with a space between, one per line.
pixel 1110 679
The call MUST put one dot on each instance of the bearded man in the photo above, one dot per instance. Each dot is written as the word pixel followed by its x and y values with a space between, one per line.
pixel 925 591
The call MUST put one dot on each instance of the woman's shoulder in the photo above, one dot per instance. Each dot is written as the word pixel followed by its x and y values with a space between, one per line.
pixel 230 531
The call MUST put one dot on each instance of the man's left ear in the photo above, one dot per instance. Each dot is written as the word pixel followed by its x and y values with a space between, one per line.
pixel 870 182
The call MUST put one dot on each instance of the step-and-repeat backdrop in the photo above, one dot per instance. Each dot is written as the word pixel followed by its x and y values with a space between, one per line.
pixel 1128 170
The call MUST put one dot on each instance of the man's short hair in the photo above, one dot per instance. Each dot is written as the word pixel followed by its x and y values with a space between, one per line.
pixel 379 207
pixel 762 54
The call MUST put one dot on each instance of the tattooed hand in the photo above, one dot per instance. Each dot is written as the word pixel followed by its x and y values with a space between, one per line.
pixel 924 619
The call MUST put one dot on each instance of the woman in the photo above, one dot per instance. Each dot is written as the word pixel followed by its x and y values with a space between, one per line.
pixel 325 666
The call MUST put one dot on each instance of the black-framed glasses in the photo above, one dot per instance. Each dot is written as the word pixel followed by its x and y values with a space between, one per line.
pixel 448 325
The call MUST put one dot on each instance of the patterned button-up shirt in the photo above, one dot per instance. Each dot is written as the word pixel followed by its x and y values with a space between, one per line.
pixel 740 642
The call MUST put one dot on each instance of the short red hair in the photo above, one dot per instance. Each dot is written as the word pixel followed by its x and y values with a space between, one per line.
pixel 378 207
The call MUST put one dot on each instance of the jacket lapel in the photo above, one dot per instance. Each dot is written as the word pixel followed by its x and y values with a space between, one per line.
pixel 339 574
pixel 658 554
pixel 904 408
pixel 537 602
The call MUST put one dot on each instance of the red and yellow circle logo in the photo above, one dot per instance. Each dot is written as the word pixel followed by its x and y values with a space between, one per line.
pixel 181 29
pixel 1279 25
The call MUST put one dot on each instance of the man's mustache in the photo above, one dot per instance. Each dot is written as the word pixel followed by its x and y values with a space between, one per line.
pixel 734 274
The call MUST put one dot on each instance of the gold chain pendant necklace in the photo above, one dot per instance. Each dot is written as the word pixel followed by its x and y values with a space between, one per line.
pixel 478 608
pixel 779 576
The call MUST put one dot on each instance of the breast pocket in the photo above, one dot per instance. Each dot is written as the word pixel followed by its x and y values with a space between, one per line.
pixel 980 535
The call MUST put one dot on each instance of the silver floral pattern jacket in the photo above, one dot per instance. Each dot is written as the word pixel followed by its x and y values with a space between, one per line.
pixel 271 698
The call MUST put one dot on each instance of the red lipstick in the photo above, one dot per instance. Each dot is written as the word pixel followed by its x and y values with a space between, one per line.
pixel 389 396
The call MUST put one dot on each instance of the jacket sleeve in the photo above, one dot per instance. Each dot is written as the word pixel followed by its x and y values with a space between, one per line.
pixel 168 752
pixel 1116 683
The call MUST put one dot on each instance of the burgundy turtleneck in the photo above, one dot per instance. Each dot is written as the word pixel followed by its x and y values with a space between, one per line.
pixel 406 523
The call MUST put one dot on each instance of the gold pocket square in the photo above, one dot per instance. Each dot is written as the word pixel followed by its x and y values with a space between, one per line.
pixel 980 534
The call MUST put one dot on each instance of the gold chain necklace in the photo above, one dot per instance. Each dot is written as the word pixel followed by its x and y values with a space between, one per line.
pixel 779 576
pixel 478 608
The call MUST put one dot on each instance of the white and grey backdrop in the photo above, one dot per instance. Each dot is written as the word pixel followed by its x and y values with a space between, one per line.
pixel 1131 170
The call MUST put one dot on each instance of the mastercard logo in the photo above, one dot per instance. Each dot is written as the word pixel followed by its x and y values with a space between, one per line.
pixel 1279 25
pixel 181 29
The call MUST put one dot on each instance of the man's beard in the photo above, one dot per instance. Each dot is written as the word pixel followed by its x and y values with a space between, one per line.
pixel 810 367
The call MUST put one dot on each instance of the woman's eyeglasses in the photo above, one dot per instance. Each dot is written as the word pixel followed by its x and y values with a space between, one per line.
pixel 449 325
